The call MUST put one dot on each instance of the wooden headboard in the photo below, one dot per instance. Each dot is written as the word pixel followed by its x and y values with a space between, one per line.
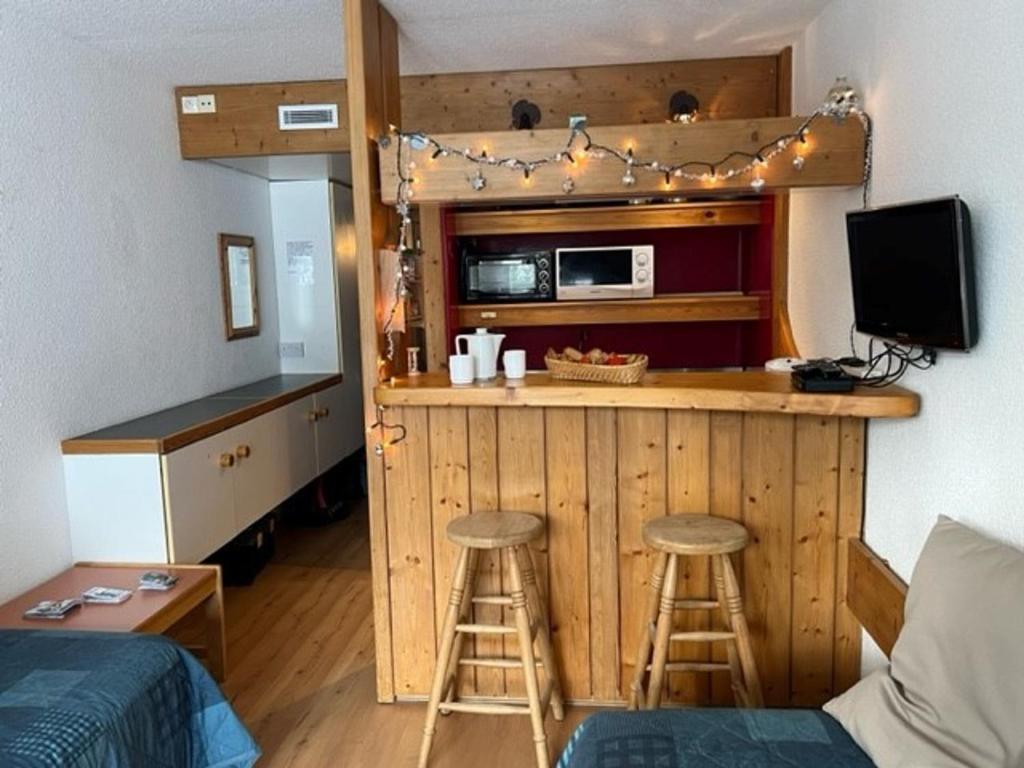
pixel 875 594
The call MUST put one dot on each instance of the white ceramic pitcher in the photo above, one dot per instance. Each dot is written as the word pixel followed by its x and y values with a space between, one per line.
pixel 483 346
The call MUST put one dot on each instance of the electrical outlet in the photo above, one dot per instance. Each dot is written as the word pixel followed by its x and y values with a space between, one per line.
pixel 190 105
pixel 207 102
pixel 293 349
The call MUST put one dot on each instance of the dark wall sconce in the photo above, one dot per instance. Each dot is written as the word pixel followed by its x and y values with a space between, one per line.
pixel 683 107
pixel 525 115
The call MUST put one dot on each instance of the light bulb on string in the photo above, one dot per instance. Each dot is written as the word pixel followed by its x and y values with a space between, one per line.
pixel 628 178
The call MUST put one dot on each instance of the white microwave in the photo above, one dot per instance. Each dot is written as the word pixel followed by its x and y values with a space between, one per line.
pixel 612 272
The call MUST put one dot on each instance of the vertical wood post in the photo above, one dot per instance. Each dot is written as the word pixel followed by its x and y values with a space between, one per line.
pixel 783 343
pixel 371 44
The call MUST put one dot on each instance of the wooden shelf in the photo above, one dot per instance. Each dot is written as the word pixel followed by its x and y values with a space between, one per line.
pixel 608 218
pixel 686 308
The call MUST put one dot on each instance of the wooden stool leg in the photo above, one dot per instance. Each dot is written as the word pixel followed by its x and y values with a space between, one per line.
pixel 538 609
pixel 522 616
pixel 735 670
pixel 469 589
pixel 739 625
pixel 649 617
pixel 667 605
pixel 643 653
pixel 444 654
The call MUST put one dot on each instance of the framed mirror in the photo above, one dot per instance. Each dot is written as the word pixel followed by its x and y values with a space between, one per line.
pixel 238 284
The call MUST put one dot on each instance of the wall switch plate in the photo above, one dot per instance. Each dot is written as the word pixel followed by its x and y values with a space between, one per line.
pixel 207 102
pixel 293 349
pixel 190 105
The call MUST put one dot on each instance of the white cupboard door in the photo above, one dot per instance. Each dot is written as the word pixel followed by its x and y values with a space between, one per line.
pixel 332 442
pixel 258 471
pixel 295 433
pixel 199 488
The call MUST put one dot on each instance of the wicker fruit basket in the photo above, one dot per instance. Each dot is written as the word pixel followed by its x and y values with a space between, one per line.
pixel 597 366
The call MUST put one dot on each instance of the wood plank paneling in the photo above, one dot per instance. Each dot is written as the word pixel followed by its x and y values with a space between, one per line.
pixel 689 492
pixel 435 321
pixel 602 505
pixel 521 488
pixel 815 504
pixel 411 553
pixel 608 95
pixel 849 526
pixel 483 489
pixel 726 500
pixel 596 475
pixel 246 122
pixel 642 497
pixel 767 560
pixel 449 499
pixel 568 545
pixel 246 119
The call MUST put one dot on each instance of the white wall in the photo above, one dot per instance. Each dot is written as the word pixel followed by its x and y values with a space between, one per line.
pixel 109 283
pixel 943 82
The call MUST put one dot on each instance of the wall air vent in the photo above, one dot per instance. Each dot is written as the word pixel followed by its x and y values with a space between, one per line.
pixel 307 117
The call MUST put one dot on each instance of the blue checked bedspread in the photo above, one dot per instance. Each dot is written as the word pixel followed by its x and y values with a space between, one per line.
pixel 713 738
pixel 99 700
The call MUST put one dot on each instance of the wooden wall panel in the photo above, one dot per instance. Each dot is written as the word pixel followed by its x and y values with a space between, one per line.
pixel 602 508
pixel 568 544
pixel 852 436
pixel 411 554
pixel 689 492
pixel 608 95
pixel 449 499
pixel 642 464
pixel 434 309
pixel 767 561
pixel 483 490
pixel 596 475
pixel 521 488
pixel 726 500
pixel 246 119
pixel 815 506
pixel 245 123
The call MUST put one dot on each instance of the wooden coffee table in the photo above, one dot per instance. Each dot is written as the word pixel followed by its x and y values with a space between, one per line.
pixel 147 611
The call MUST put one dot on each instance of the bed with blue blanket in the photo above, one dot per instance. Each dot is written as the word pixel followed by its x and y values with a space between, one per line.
pixel 713 738
pixel 106 700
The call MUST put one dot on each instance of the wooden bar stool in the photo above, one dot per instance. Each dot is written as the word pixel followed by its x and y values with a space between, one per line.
pixel 510 531
pixel 689 535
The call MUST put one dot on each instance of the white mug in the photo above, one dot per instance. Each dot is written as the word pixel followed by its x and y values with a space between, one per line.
pixel 460 369
pixel 515 363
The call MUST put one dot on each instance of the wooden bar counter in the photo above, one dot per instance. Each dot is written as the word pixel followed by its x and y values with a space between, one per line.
pixel 597 461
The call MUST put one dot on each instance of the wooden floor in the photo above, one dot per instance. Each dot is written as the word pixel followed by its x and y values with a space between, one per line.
pixel 301 676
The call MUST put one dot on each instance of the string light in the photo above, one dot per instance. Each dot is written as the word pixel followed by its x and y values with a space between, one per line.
pixel 842 101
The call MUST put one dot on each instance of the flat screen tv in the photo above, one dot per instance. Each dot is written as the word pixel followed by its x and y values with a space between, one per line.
pixel 913 273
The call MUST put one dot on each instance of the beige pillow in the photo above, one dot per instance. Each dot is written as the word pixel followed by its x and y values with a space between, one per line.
pixel 954 692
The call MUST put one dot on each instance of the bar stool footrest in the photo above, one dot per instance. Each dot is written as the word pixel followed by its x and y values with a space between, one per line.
pixel 481 708
pixel 701 636
pixel 495 662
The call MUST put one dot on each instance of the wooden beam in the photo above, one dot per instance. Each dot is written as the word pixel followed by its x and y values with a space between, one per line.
pixel 875 594
pixel 783 342
pixel 611 218
pixel 245 123
pixel 836 158
pixel 432 277
pixel 371 44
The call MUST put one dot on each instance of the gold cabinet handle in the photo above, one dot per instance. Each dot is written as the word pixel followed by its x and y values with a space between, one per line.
pixel 243 451
pixel 323 413
pixel 227 460
pixel 313 416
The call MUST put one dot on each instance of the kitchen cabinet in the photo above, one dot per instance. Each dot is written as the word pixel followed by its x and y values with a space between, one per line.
pixel 176 486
